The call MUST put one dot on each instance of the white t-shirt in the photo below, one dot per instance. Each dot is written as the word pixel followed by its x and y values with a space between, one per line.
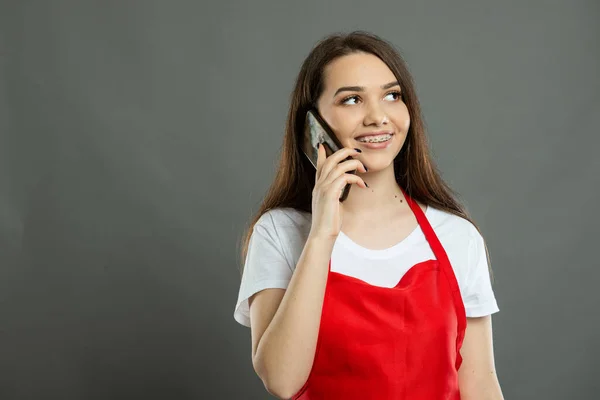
pixel 279 236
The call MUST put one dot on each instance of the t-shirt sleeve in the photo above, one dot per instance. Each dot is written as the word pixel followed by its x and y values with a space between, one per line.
pixel 265 267
pixel 479 298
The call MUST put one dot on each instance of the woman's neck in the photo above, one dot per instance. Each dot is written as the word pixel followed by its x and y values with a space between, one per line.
pixel 381 197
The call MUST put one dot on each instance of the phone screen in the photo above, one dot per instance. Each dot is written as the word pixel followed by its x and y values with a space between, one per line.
pixel 317 131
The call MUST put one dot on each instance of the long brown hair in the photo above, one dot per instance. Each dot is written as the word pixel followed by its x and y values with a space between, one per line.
pixel 414 169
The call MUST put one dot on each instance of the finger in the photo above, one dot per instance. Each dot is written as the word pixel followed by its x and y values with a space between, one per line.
pixel 340 183
pixel 343 167
pixel 333 160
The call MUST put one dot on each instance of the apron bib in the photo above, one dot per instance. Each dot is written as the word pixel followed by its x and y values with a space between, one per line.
pixel 399 343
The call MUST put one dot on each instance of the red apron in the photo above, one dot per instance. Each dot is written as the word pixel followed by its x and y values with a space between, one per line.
pixel 399 343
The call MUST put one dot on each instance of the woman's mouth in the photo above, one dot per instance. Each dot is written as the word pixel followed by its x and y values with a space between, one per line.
pixel 376 141
pixel 375 138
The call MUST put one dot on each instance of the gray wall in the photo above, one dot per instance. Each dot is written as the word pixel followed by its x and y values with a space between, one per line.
pixel 137 138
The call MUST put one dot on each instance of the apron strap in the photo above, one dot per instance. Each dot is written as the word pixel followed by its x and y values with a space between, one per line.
pixel 430 235
pixel 445 266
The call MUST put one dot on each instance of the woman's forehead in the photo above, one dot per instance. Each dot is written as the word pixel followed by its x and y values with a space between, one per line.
pixel 357 69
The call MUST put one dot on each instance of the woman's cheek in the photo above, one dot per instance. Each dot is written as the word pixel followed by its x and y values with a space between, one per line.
pixel 405 124
pixel 343 126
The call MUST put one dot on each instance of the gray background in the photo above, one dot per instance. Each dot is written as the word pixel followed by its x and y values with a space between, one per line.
pixel 137 139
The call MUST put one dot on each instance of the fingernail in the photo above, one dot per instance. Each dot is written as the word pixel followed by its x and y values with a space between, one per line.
pixel 366 169
pixel 359 150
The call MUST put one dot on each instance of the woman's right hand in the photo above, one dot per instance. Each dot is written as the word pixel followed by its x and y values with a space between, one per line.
pixel 331 178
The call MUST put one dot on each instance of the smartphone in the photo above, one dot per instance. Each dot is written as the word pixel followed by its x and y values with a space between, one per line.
pixel 317 131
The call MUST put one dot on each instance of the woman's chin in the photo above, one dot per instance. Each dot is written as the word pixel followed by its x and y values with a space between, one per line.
pixel 374 165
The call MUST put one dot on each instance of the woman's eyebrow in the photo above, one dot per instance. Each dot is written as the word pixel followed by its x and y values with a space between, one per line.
pixel 361 88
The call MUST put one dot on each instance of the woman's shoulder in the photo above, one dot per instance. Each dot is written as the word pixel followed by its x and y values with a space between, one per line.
pixel 285 218
pixel 289 227
pixel 447 223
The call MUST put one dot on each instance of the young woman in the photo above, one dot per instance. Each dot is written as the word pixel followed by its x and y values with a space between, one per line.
pixel 386 295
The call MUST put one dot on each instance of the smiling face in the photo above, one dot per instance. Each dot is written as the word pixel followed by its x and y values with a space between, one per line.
pixel 361 96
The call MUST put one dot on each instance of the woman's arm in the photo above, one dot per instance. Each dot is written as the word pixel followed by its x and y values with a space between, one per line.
pixel 477 375
pixel 285 323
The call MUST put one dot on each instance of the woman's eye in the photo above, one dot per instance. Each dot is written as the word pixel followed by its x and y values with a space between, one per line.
pixel 397 94
pixel 347 99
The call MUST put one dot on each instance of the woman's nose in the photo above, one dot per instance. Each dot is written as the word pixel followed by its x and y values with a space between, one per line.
pixel 375 116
